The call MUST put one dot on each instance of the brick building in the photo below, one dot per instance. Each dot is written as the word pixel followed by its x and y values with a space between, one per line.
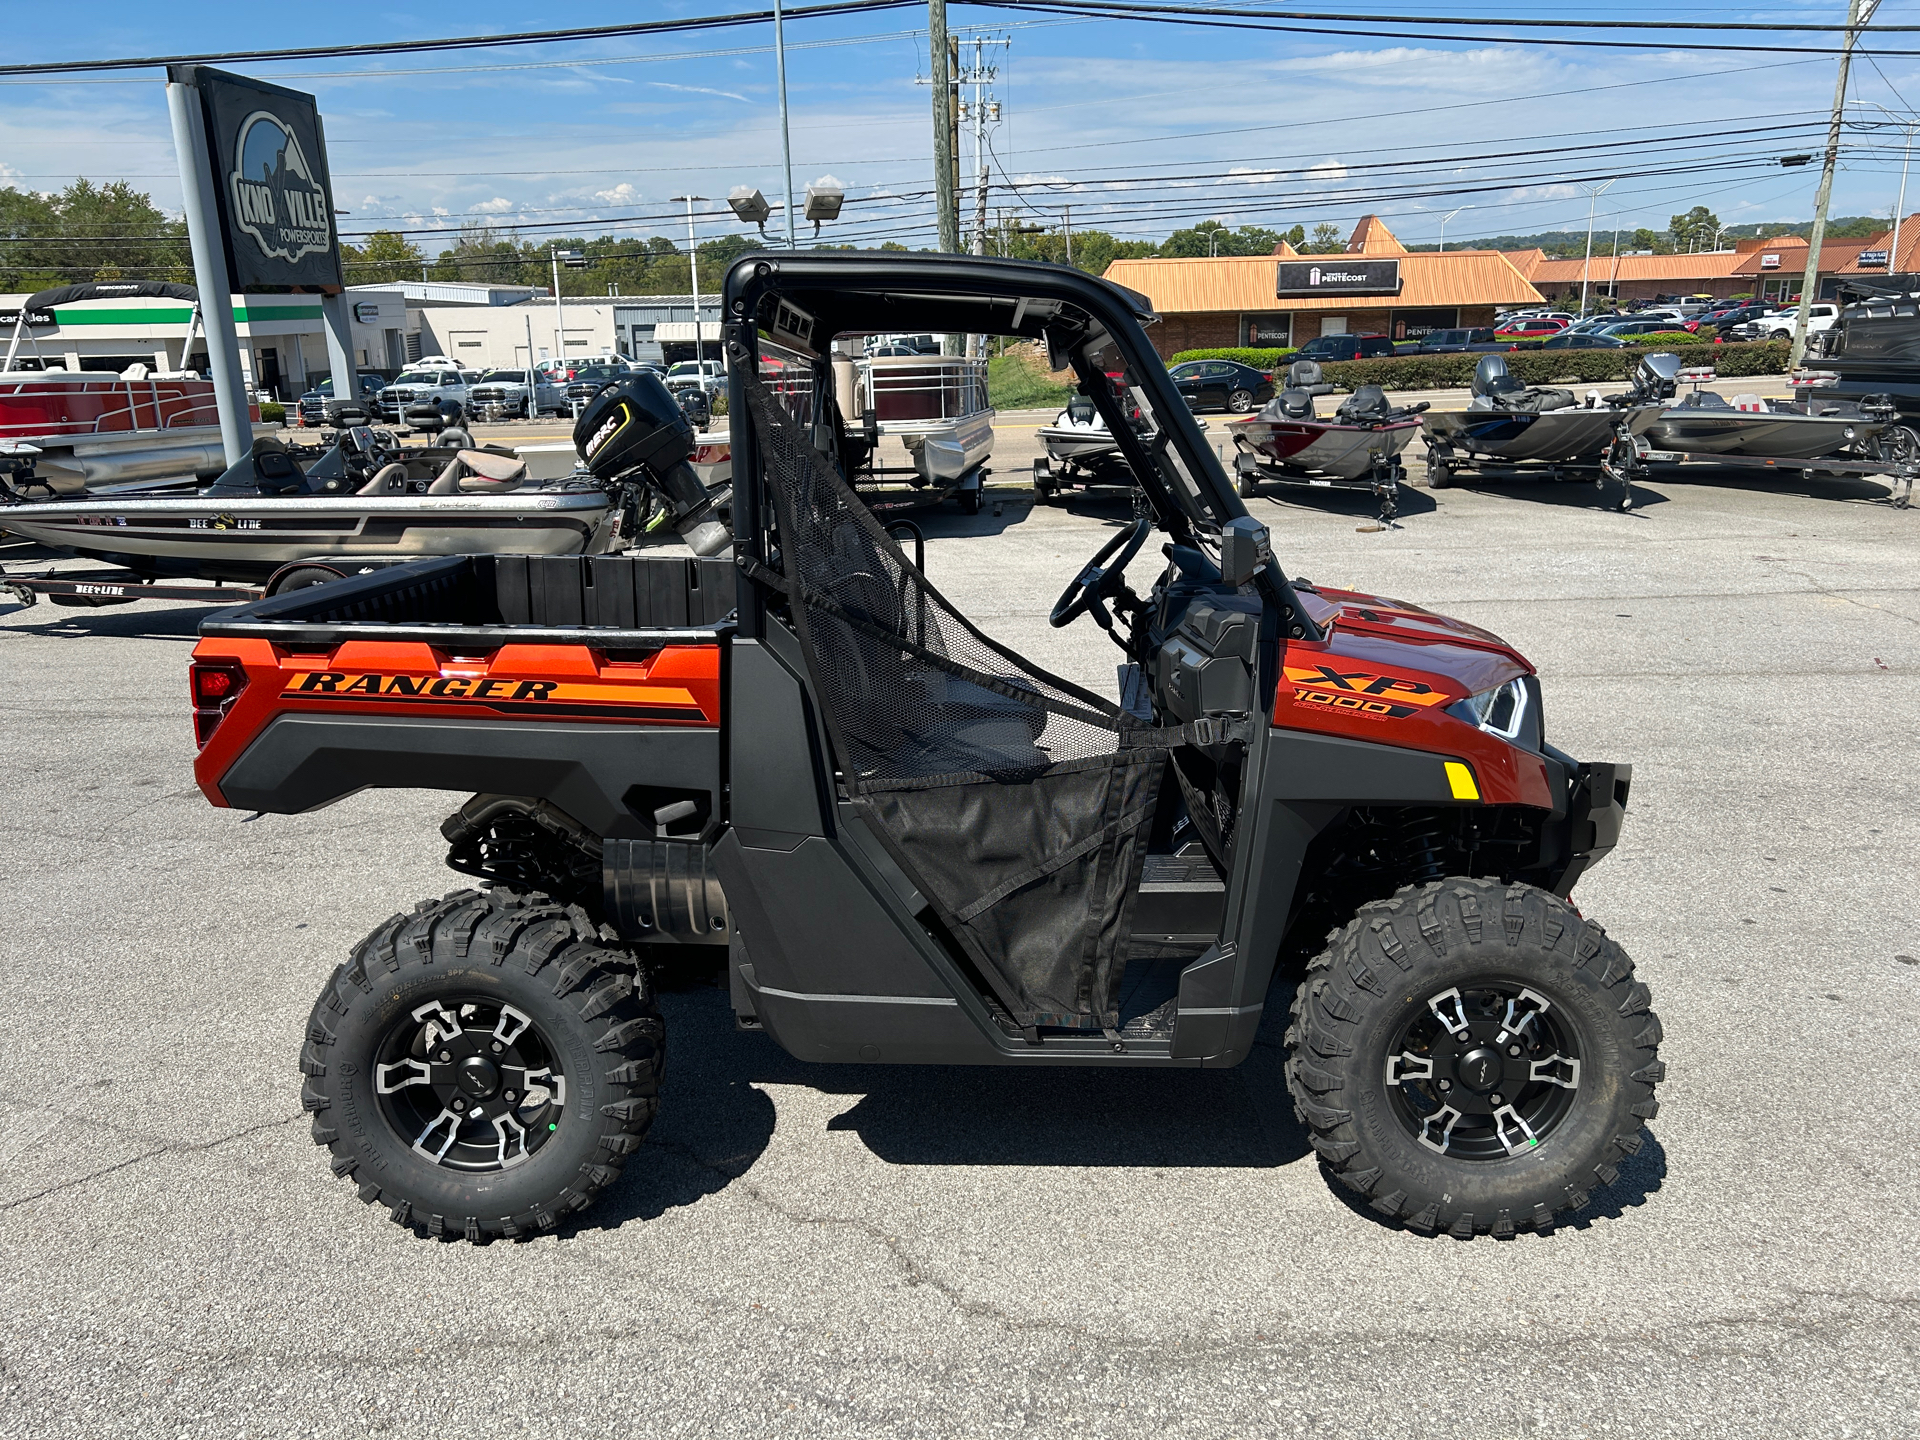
pixel 1235 299
pixel 1771 269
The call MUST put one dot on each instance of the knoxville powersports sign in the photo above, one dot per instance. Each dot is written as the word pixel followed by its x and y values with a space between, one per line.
pixel 1338 275
pixel 268 163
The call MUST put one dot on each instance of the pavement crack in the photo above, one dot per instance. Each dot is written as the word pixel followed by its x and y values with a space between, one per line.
pixel 170 1147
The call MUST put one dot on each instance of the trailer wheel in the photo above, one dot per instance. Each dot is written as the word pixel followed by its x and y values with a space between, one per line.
pixel 1247 483
pixel 483 1067
pixel 304 577
pixel 1473 1057
pixel 1439 476
pixel 970 499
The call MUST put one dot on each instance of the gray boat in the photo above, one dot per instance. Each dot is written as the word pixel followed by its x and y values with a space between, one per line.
pixel 365 497
pixel 1515 424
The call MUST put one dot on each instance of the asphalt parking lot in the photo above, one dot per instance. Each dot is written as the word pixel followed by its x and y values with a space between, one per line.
pixel 902 1252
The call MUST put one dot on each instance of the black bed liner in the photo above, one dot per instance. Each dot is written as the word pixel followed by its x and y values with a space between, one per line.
pixel 616 600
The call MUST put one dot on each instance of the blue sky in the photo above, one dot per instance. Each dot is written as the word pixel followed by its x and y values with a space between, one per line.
pixel 1139 128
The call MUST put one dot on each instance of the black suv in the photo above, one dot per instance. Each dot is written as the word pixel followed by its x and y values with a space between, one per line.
pixel 1326 348
pixel 1455 342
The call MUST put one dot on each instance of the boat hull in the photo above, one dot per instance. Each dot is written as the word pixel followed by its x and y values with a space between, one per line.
pixel 1319 448
pixel 1773 435
pixel 944 451
pixel 250 538
pixel 1072 444
pixel 1554 436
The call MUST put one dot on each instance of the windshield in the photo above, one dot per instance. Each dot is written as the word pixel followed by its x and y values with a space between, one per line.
pixel 686 367
pixel 1162 450
pixel 417 377
pixel 505 377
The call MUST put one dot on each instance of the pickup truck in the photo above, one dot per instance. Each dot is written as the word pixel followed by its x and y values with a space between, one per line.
pixel 418 388
pixel 898 841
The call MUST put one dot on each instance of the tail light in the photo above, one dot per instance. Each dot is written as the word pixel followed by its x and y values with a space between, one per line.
pixel 215 684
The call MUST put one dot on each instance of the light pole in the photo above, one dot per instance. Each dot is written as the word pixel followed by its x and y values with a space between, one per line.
pixel 556 255
pixel 1593 196
pixel 693 271
pixel 1443 226
pixel 786 143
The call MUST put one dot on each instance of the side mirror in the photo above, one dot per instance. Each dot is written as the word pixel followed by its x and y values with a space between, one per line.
pixel 1244 550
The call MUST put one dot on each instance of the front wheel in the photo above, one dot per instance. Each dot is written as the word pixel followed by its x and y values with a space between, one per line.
pixel 484 1066
pixel 1473 1057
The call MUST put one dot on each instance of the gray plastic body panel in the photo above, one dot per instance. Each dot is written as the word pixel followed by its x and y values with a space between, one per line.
pixel 302 762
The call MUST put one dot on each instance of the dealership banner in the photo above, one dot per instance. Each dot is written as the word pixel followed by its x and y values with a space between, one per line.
pixel 1338 275
pixel 273 193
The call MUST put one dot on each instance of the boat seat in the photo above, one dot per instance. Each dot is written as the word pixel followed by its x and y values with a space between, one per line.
pixel 275 472
pixel 1289 405
pixel 1368 402
pixel 1306 376
pixel 388 479
pixel 489 473
pixel 447 482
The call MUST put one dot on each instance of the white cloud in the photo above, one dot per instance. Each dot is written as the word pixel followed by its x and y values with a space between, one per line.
pixel 1247 175
pixel 496 206
pixel 1326 172
pixel 699 90
pixel 621 194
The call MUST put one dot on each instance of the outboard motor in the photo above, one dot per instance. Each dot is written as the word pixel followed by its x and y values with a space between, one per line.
pixel 1493 381
pixel 696 405
pixel 1656 377
pixel 1080 410
pixel 637 424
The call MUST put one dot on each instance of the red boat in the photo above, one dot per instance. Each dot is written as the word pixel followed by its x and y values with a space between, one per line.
pixel 95 428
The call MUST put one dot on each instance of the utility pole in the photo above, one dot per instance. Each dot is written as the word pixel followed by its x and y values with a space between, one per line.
pixel 1066 223
pixel 943 123
pixel 1593 195
pixel 1859 12
pixel 559 309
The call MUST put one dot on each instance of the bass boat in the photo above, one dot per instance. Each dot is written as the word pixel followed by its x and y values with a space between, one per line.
pixel 1357 448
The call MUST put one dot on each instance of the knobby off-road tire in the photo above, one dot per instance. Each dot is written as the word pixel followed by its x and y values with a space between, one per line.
pixel 1373 1013
pixel 514 990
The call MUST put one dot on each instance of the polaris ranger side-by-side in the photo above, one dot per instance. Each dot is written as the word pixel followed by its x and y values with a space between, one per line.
pixel 912 845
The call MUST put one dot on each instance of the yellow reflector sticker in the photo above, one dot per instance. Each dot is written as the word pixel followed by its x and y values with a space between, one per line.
pixel 1460 777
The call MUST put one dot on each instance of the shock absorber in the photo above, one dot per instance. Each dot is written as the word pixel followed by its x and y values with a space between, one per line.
pixel 1421 845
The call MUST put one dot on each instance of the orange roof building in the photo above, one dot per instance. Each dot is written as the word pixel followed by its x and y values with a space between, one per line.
pixel 1235 300
pixel 1876 255
pixel 1771 269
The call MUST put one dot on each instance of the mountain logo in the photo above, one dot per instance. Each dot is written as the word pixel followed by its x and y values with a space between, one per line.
pixel 274 195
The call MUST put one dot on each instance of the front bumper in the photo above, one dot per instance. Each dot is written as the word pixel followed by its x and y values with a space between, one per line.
pixel 1596 807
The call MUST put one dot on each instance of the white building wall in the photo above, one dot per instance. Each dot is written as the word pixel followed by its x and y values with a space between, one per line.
pixel 497 337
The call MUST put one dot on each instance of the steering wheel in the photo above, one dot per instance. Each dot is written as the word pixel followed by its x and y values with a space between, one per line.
pixel 1101 581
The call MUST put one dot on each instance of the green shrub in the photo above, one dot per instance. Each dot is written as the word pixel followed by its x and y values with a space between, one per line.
pixel 1259 359
pixel 273 412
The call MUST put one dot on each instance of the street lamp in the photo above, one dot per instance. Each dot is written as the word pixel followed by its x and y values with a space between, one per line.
pixel 693 271
pixel 750 205
pixel 1443 226
pixel 1593 195
pixel 825 196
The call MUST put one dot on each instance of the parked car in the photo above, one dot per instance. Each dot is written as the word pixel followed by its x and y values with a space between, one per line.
pixel 1328 348
pixel 709 375
pixel 1625 329
pixel 1778 324
pixel 1725 318
pixel 1537 325
pixel 312 407
pixel 1222 385
pixel 1505 316
pixel 1577 340
pixel 1455 342
pixel 419 385
pixel 507 390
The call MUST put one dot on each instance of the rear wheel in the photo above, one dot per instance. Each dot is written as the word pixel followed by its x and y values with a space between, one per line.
pixel 1240 402
pixel 1439 476
pixel 1473 1057
pixel 483 1067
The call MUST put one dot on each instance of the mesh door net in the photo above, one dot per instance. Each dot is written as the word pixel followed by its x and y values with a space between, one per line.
pixel 1017 802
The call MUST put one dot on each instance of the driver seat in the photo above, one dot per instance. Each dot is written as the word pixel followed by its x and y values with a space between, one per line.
pixel 387 480
pixel 1296 401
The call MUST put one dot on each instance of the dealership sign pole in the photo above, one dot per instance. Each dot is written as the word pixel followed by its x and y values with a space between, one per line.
pixel 259 202
pixel 210 269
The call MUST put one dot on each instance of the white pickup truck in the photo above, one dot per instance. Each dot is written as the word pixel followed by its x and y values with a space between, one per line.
pixel 1778 325
pixel 428 382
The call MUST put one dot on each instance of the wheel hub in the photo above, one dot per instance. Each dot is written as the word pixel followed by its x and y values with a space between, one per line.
pixel 1484 1073
pixel 479 1076
pixel 1480 1068
pixel 470 1085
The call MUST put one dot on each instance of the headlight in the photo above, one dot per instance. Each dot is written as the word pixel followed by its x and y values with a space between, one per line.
pixel 1499 711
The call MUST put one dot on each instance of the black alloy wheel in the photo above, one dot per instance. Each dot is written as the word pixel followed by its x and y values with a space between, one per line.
pixel 470 1083
pixel 1485 1073
pixel 1473 1057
